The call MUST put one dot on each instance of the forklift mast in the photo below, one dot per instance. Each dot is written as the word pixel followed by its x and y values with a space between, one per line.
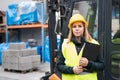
pixel 65 8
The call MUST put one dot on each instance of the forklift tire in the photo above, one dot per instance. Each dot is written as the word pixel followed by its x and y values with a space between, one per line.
pixel 46 77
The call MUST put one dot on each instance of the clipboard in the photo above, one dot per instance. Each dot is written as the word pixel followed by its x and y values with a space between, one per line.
pixel 91 51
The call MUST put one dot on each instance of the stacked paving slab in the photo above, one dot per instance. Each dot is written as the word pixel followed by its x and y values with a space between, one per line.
pixel 18 57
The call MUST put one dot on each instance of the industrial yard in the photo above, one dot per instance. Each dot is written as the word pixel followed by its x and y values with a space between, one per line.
pixel 30 75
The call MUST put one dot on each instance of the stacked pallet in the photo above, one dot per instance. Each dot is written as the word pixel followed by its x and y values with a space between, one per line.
pixel 18 57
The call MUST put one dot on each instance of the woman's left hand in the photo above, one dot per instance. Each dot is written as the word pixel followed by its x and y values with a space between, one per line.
pixel 83 62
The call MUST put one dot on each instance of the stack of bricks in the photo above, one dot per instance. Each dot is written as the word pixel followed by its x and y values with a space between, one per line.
pixel 18 57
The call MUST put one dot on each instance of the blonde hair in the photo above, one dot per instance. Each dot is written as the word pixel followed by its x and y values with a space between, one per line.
pixel 86 35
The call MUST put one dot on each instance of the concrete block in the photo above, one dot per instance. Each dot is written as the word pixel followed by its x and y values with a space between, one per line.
pixel 35 58
pixel 36 64
pixel 28 52
pixel 25 63
pixel 14 59
pixel 8 59
pixel 35 61
pixel 17 46
pixel 7 65
pixel 15 53
pixel 3 59
pixel 25 66
pixel 14 66
pixel 25 52
pixel 5 53
pixel 33 51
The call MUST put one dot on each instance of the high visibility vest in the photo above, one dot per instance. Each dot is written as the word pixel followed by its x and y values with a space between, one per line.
pixel 72 59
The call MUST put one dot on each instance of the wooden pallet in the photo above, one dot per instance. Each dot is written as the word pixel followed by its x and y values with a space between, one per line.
pixel 21 71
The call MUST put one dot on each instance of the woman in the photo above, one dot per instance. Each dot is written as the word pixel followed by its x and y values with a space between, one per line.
pixel 70 62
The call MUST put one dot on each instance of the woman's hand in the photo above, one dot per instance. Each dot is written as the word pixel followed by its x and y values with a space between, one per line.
pixel 77 69
pixel 83 62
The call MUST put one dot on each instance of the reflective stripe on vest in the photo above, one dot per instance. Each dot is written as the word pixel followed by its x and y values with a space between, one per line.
pixel 72 59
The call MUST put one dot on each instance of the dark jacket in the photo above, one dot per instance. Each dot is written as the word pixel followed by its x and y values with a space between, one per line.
pixel 92 66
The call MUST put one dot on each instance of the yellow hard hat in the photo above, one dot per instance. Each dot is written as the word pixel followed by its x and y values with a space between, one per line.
pixel 76 18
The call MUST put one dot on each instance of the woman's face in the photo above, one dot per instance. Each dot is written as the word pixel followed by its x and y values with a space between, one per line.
pixel 78 29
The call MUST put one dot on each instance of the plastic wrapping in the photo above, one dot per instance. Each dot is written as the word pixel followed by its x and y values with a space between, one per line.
pixel 11 15
pixel 47 48
pixel 25 12
pixel 3 46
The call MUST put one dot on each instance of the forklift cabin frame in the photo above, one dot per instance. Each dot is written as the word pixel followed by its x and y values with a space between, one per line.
pixel 104 30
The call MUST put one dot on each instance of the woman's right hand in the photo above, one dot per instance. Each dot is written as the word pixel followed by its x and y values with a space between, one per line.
pixel 77 69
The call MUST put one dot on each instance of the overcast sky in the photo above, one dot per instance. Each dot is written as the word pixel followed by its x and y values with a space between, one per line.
pixel 4 3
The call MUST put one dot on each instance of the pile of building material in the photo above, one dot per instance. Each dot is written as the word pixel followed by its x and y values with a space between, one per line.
pixel 25 12
pixel 18 57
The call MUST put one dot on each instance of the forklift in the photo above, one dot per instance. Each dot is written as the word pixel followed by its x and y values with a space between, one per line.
pixel 103 16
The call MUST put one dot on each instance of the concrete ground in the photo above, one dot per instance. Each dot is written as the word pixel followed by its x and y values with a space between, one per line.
pixel 32 75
